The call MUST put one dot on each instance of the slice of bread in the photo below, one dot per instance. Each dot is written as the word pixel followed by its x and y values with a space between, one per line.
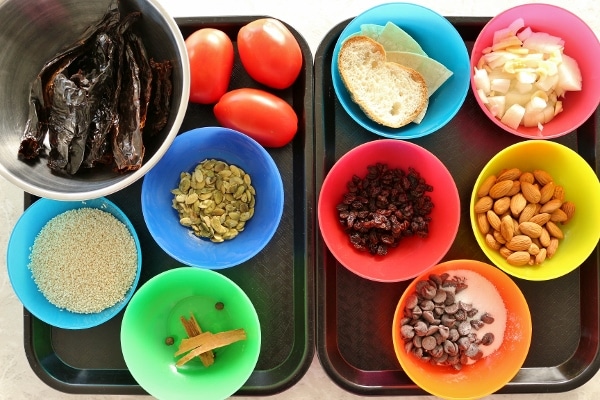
pixel 389 93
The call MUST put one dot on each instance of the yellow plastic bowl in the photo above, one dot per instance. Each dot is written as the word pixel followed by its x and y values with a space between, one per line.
pixel 490 373
pixel 581 186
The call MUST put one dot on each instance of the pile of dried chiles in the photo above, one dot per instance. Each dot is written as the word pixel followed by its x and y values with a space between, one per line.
pixel 97 100
pixel 385 206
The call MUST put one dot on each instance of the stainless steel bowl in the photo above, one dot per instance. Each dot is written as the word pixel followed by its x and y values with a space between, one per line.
pixel 32 32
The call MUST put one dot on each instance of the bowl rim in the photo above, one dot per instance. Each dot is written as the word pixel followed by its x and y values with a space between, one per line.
pixel 109 312
pixel 131 177
pixel 538 135
pixel 372 126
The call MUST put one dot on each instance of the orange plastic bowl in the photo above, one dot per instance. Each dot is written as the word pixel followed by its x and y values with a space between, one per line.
pixel 488 374
pixel 413 254
pixel 581 43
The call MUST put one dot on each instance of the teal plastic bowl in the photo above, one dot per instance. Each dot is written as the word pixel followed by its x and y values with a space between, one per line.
pixel 20 243
pixel 439 39
pixel 153 315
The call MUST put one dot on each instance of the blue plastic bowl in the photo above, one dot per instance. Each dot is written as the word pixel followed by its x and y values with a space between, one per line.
pixel 20 243
pixel 439 39
pixel 189 149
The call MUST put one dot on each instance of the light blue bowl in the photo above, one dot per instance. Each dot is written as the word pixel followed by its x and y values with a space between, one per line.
pixel 189 149
pixel 20 243
pixel 440 40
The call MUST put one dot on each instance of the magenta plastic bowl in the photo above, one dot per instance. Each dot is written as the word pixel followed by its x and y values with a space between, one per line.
pixel 580 43
pixel 414 255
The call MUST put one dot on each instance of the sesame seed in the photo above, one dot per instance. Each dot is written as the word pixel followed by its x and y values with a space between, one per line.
pixel 84 260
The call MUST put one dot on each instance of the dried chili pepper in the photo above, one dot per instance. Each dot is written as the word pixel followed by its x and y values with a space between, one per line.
pixel 92 99
pixel 162 88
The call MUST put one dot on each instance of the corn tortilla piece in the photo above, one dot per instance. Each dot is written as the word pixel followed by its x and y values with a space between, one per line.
pixel 434 72
pixel 371 30
pixel 394 38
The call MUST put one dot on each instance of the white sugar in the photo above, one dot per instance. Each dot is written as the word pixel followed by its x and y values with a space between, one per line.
pixel 484 296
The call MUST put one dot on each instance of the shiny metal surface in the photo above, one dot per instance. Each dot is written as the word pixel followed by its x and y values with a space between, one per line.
pixel 31 32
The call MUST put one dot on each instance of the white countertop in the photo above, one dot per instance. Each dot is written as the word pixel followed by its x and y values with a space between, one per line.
pixel 313 19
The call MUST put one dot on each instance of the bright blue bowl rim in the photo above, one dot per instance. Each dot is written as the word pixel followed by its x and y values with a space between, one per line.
pixel 20 242
pixel 427 27
pixel 186 151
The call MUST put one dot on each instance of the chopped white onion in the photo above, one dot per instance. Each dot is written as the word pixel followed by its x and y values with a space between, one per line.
pixel 513 116
pixel 522 76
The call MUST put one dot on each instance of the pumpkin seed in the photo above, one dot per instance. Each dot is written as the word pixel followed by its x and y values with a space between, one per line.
pixel 215 200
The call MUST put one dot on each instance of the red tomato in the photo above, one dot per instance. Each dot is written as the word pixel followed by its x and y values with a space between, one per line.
pixel 211 61
pixel 261 115
pixel 269 52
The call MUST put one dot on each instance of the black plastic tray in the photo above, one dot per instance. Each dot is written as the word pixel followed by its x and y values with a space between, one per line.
pixel 354 315
pixel 279 280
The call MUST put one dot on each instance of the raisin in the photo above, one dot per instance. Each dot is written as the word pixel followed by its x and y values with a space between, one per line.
pixel 385 206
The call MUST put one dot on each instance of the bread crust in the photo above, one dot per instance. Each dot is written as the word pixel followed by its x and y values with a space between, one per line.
pixel 389 93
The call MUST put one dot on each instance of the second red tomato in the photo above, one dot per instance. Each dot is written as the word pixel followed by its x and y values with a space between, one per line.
pixel 210 52
pixel 269 52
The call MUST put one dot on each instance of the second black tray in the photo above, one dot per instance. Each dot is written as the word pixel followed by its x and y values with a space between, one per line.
pixel 354 315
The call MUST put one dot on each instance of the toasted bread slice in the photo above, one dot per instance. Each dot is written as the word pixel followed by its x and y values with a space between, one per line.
pixel 389 93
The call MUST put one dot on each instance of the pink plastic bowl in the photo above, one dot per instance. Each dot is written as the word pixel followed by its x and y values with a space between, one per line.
pixel 580 43
pixel 414 254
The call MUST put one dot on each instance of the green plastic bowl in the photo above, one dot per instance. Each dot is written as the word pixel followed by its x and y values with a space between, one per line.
pixel 153 315
pixel 581 185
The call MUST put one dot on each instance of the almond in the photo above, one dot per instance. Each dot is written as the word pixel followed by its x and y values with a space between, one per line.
pixel 518 258
pixel 552 247
pixel 530 229
pixel 545 238
pixel 501 205
pixel 507 228
pixel 505 252
pixel 527 177
pixel 516 227
pixel 499 238
pixel 550 206
pixel 534 249
pixel 542 176
pixel 509 175
pixel 483 205
pixel 540 257
pixel 519 242
pixel 528 212
pixel 547 192
pixel 482 223
pixel 554 230
pixel 485 187
pixel 532 194
pixel 491 242
pixel 540 218
pixel 494 220
pixel 569 208
pixel 516 188
pixel 517 204
pixel 559 192
pixel 500 189
pixel 558 216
